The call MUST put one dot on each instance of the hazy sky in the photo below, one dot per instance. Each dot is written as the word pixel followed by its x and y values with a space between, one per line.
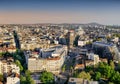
pixel 60 11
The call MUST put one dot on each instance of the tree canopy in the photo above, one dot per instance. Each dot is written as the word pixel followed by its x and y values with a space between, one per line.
pixel 47 77
pixel 19 64
pixel 1 77
pixel 102 71
pixel 84 75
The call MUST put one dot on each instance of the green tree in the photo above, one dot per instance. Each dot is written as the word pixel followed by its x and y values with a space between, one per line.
pixel 88 43
pixel 75 74
pixel 17 62
pixel 22 80
pixel 47 78
pixel 112 64
pixel 84 75
pixel 76 40
pixel 29 79
pixel 1 54
pixel 108 71
pixel 97 75
pixel 105 70
pixel 88 68
pixel 32 82
pixel 1 77
pixel 115 78
pixel 118 67
pixel 19 55
pixel 27 72
pixel 110 83
pixel 63 68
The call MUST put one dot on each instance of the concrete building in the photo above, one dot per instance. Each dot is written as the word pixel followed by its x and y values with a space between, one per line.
pixel 51 63
pixel 10 71
pixel 6 67
pixel 71 37
pixel 80 31
pixel 13 80
pixel 108 50
pixel 94 57
pixel 81 81
pixel 81 43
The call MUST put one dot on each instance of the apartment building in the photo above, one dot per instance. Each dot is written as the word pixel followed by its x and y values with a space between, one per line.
pixel 10 71
pixel 13 79
pixel 52 63
pixel 8 67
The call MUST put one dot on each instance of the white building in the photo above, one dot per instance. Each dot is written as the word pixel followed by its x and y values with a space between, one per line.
pixel 11 70
pixel 80 31
pixel 81 81
pixel 81 43
pixel 94 57
pixel 13 80
pixel 51 64
pixel 116 39
pixel 8 67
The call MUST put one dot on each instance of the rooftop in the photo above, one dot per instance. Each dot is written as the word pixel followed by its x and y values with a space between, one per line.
pixel 103 43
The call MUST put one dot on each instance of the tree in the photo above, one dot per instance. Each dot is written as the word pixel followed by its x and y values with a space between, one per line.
pixel 47 77
pixel 118 67
pixel 75 73
pixel 108 71
pixel 76 40
pixel 105 70
pixel 1 77
pixel 84 75
pixel 110 83
pixel 1 54
pixel 19 55
pixel 112 64
pixel 17 62
pixel 22 80
pixel 29 79
pixel 63 68
pixel 32 81
pixel 115 78
pixel 88 43
pixel 97 75
pixel 72 70
pixel 27 72
pixel 88 68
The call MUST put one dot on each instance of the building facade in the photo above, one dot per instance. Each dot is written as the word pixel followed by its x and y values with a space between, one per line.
pixel 52 63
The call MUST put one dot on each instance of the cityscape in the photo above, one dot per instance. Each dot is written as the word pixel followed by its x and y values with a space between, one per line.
pixel 59 42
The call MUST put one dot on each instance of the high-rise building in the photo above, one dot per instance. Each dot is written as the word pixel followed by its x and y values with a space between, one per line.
pixel 71 38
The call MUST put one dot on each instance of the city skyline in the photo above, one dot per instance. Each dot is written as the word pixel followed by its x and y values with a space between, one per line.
pixel 59 11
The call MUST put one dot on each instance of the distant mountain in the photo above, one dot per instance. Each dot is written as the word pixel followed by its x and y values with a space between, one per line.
pixel 94 23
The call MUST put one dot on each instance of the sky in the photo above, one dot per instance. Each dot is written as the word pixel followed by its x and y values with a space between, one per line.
pixel 59 11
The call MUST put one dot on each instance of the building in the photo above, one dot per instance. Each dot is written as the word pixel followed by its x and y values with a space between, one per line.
pixel 81 43
pixel 13 80
pixel 80 31
pixel 8 67
pixel 79 66
pixel 108 50
pixel 10 49
pixel 94 57
pixel 10 71
pixel 71 37
pixel 81 81
pixel 52 62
